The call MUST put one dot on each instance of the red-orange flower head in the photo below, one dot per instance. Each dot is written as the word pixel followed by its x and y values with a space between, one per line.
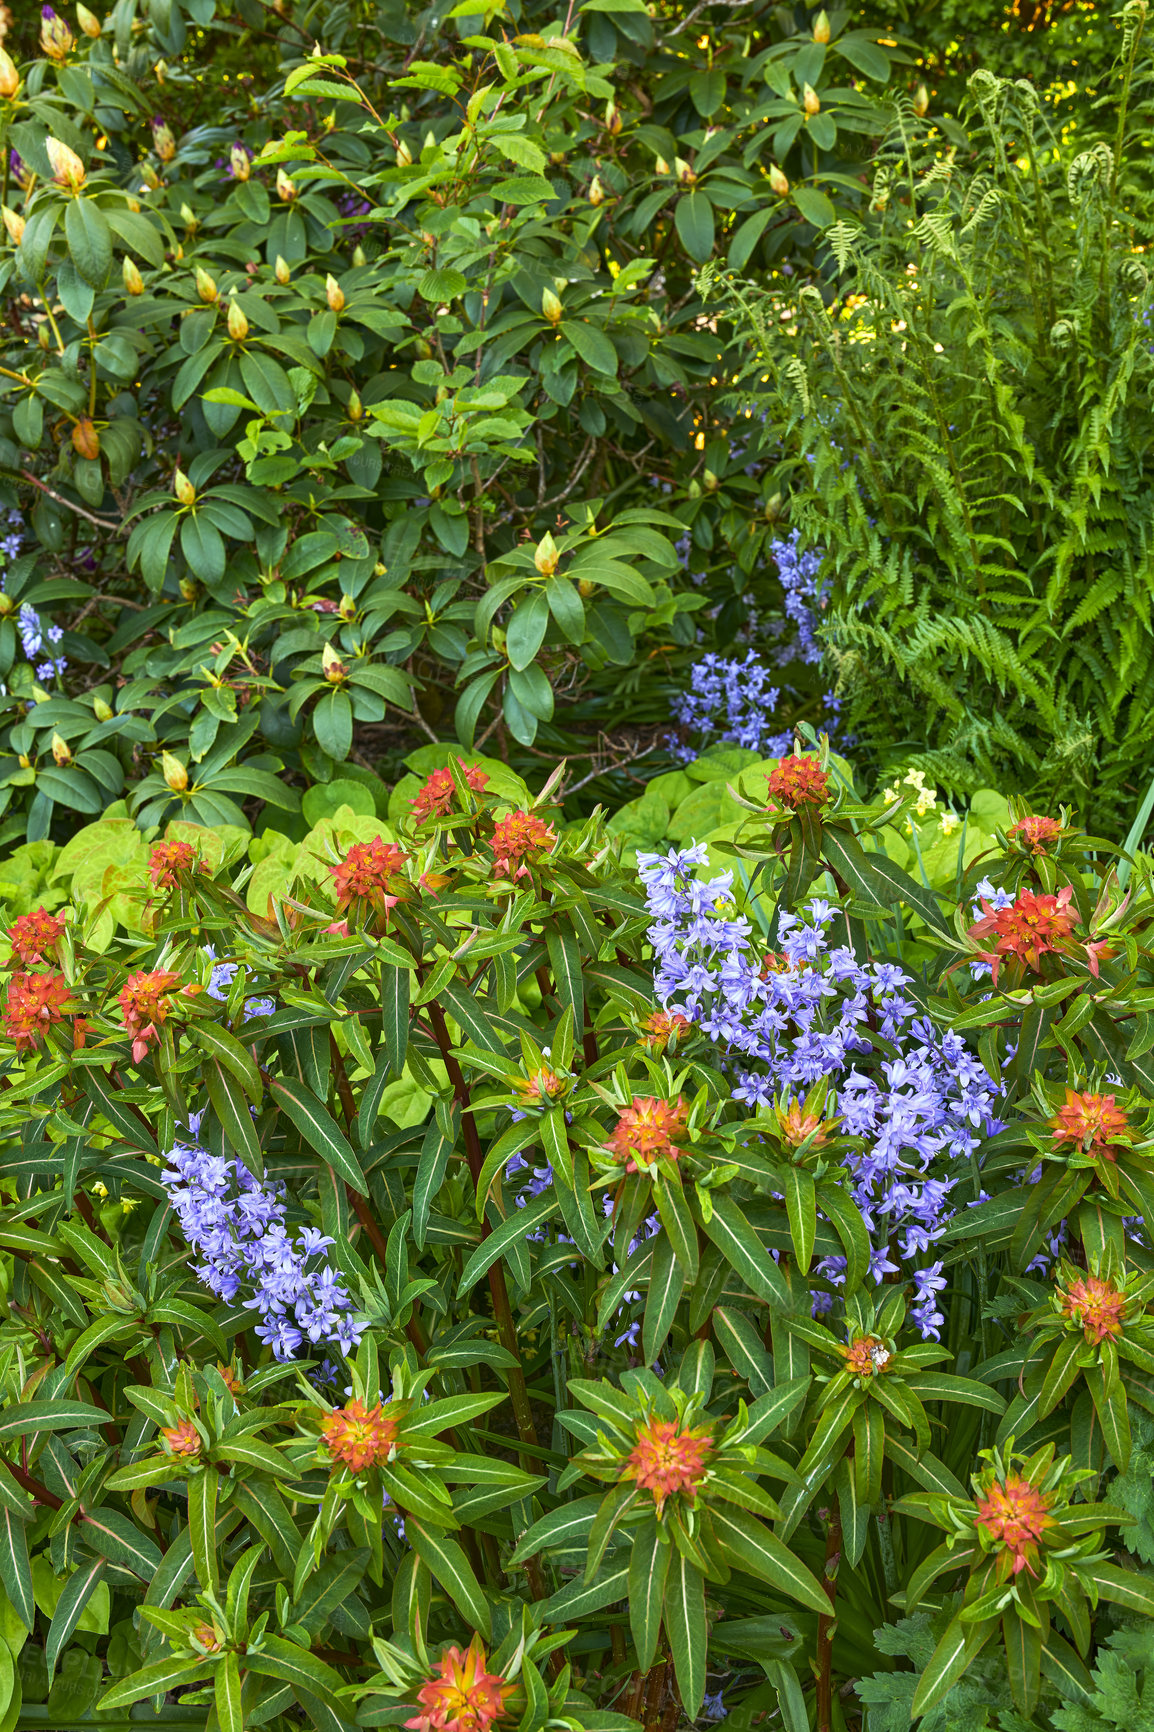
pixel 646 1130
pixel 366 874
pixel 1092 1123
pixel 797 1126
pixel 360 1436
pixel 544 1085
pixel 1035 833
pixel 516 839
pixel 461 1696
pixel 35 1001
pixel 665 1028
pixel 1095 1305
pixel 182 1439
pixel 1016 1515
pixel 145 1000
pixel 206 1635
pixel 868 1356
pixel 799 781
pixel 169 858
pixel 34 937
pixel 1027 929
pixel 666 1460
pixel 439 794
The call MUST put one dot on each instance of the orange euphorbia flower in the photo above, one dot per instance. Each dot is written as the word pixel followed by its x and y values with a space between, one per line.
pixel 866 1357
pixel 366 874
pixel 1095 1305
pixel 437 797
pixel 799 781
pixel 1017 1515
pixel 169 858
pixel 35 936
pixel 646 1131
pixel 515 838
pixel 35 1001
pixel 145 1000
pixel 360 1436
pixel 1027 929
pixel 665 1460
pixel 182 1438
pixel 1035 832
pixel 1092 1123
pixel 664 1027
pixel 461 1696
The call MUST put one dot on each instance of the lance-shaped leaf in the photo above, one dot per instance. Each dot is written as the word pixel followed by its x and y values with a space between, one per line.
pixel 750 1546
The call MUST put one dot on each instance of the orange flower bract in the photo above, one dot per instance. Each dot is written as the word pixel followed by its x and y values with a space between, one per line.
pixel 1095 1305
pixel 35 936
pixel 666 1460
pixel 663 1027
pixel 145 1001
pixel 866 1357
pixel 366 873
pixel 1034 832
pixel 169 858
pixel 799 781
pixel 645 1131
pixel 1015 1515
pixel 182 1439
pixel 1093 1123
pixel 515 838
pixel 35 1001
pixel 360 1436
pixel 461 1696
pixel 438 796
pixel 1025 931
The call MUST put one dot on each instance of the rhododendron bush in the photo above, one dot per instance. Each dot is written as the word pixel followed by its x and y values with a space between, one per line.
pixel 460 1281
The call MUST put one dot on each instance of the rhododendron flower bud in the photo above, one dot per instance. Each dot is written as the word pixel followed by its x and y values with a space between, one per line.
pixel 921 101
pixel 9 76
pixel 281 271
pixel 286 187
pixel 88 21
pixel 237 322
pixel 182 487
pixel 821 30
pixel 332 666
pixel 403 154
pixel 359 256
pixel 546 556
pixel 810 100
pixel 85 439
pixel 777 181
pixel 239 162
pixel 56 39
pixel 61 751
pixel 684 173
pixel 189 218
pixel 551 307
pixel 67 168
pixel 596 190
pixel 355 408
pixel 334 294
pixel 14 223
pixel 133 281
pixel 101 710
pixel 660 166
pixel 163 142
pixel 174 773
pixel 612 117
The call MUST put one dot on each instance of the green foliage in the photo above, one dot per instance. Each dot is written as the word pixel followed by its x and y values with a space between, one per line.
pixel 968 439
pixel 388 385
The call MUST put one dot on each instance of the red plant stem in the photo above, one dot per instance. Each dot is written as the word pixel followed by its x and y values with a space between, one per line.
pixel 502 1310
pixel 826 1624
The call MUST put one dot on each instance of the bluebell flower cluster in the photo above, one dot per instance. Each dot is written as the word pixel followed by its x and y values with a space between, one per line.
pixel 920 1103
pixel 236 1225
pixel 800 575
pixel 730 701
pixel 36 638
